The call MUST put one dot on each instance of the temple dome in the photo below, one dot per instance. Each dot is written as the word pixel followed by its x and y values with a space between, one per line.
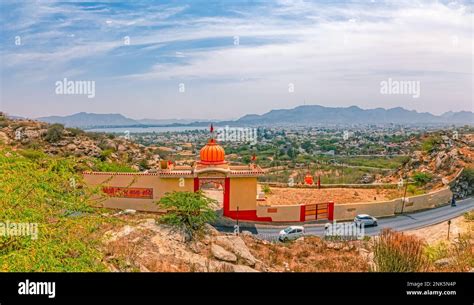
pixel 212 153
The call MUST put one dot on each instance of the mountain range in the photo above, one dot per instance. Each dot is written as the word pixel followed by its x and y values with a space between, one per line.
pixel 301 115
pixel 89 120
pixel 315 114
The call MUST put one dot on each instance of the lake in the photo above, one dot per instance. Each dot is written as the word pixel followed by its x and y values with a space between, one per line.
pixel 148 129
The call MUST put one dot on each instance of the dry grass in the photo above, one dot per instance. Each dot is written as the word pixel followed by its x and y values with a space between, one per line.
pixel 312 255
pixel 288 196
pixel 397 252
pixel 132 254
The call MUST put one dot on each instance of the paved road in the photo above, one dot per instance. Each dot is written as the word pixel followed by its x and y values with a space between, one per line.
pixel 399 223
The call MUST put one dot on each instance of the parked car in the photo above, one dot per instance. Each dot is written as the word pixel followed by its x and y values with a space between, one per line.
pixel 365 220
pixel 291 233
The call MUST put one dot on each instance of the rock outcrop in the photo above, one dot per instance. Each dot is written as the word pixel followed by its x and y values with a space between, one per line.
pixel 29 134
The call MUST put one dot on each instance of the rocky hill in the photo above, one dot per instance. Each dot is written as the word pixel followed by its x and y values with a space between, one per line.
pixel 54 139
pixel 439 159
pixel 146 245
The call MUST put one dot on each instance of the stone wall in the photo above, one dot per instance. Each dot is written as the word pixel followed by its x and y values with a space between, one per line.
pixel 159 185
pixel 280 213
pixel 390 208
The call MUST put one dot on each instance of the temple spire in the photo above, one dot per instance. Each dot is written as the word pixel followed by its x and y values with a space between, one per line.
pixel 212 132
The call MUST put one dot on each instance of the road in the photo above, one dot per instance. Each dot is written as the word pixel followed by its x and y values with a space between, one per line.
pixel 399 223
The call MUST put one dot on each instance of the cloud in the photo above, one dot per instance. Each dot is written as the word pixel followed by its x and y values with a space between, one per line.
pixel 345 46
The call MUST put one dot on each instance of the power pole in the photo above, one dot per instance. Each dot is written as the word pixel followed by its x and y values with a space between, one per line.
pixel 449 227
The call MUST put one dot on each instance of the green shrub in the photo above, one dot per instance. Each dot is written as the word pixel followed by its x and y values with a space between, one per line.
pixel 266 189
pixel 34 145
pixel 32 154
pixel 396 252
pixel 3 120
pixel 101 166
pixel 75 131
pixel 143 164
pixel 94 135
pixel 39 192
pixel 414 190
pixel 437 251
pixel 422 178
pixel 188 210
pixel 54 133
pixel 430 144
pixel 105 154
pixel 469 216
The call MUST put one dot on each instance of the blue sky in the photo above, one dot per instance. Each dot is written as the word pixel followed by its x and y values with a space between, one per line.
pixel 333 53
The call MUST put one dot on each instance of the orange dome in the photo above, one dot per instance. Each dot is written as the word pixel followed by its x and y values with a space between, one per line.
pixel 212 153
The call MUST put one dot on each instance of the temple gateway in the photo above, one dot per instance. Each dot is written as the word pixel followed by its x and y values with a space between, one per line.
pixel 141 191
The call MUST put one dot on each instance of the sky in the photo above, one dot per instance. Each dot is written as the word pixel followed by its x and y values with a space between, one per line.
pixel 224 59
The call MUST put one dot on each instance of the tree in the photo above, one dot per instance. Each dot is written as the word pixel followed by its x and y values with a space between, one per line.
pixel 190 210
pixel 308 146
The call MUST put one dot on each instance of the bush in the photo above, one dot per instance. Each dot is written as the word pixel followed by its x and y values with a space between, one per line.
pixel 469 216
pixel 105 154
pixel 414 190
pixel 422 178
pixel 75 131
pixel 437 251
pixel 32 154
pixel 188 210
pixel 3 120
pixel 39 192
pixel 143 164
pixel 396 252
pixel 266 189
pixel 94 135
pixel 54 133
pixel 101 166
pixel 430 144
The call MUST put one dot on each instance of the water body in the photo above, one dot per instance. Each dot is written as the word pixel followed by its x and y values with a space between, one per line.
pixel 148 129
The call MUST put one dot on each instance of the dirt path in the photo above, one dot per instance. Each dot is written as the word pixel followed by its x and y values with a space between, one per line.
pixel 436 233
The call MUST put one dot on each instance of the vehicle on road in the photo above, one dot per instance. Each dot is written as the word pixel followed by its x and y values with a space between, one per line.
pixel 291 233
pixel 365 220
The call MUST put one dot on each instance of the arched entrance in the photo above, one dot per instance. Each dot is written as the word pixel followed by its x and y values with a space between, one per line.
pixel 215 186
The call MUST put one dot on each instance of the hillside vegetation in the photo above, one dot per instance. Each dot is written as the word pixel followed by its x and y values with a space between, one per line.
pixel 46 192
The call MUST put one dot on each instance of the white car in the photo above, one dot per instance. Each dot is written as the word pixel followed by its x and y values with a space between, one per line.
pixel 365 220
pixel 291 233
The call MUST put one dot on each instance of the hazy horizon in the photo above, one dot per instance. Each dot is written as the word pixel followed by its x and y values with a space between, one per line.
pixel 223 60
pixel 209 119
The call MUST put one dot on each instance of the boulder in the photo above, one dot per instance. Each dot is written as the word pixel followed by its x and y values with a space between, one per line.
pixel 246 233
pixel 236 245
pixel 71 147
pixel 4 138
pixel 222 254
pixel 210 230
pixel 444 262
pixel 126 230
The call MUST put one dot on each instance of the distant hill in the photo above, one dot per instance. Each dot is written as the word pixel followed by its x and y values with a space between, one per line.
pixel 301 115
pixel 315 114
pixel 84 119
